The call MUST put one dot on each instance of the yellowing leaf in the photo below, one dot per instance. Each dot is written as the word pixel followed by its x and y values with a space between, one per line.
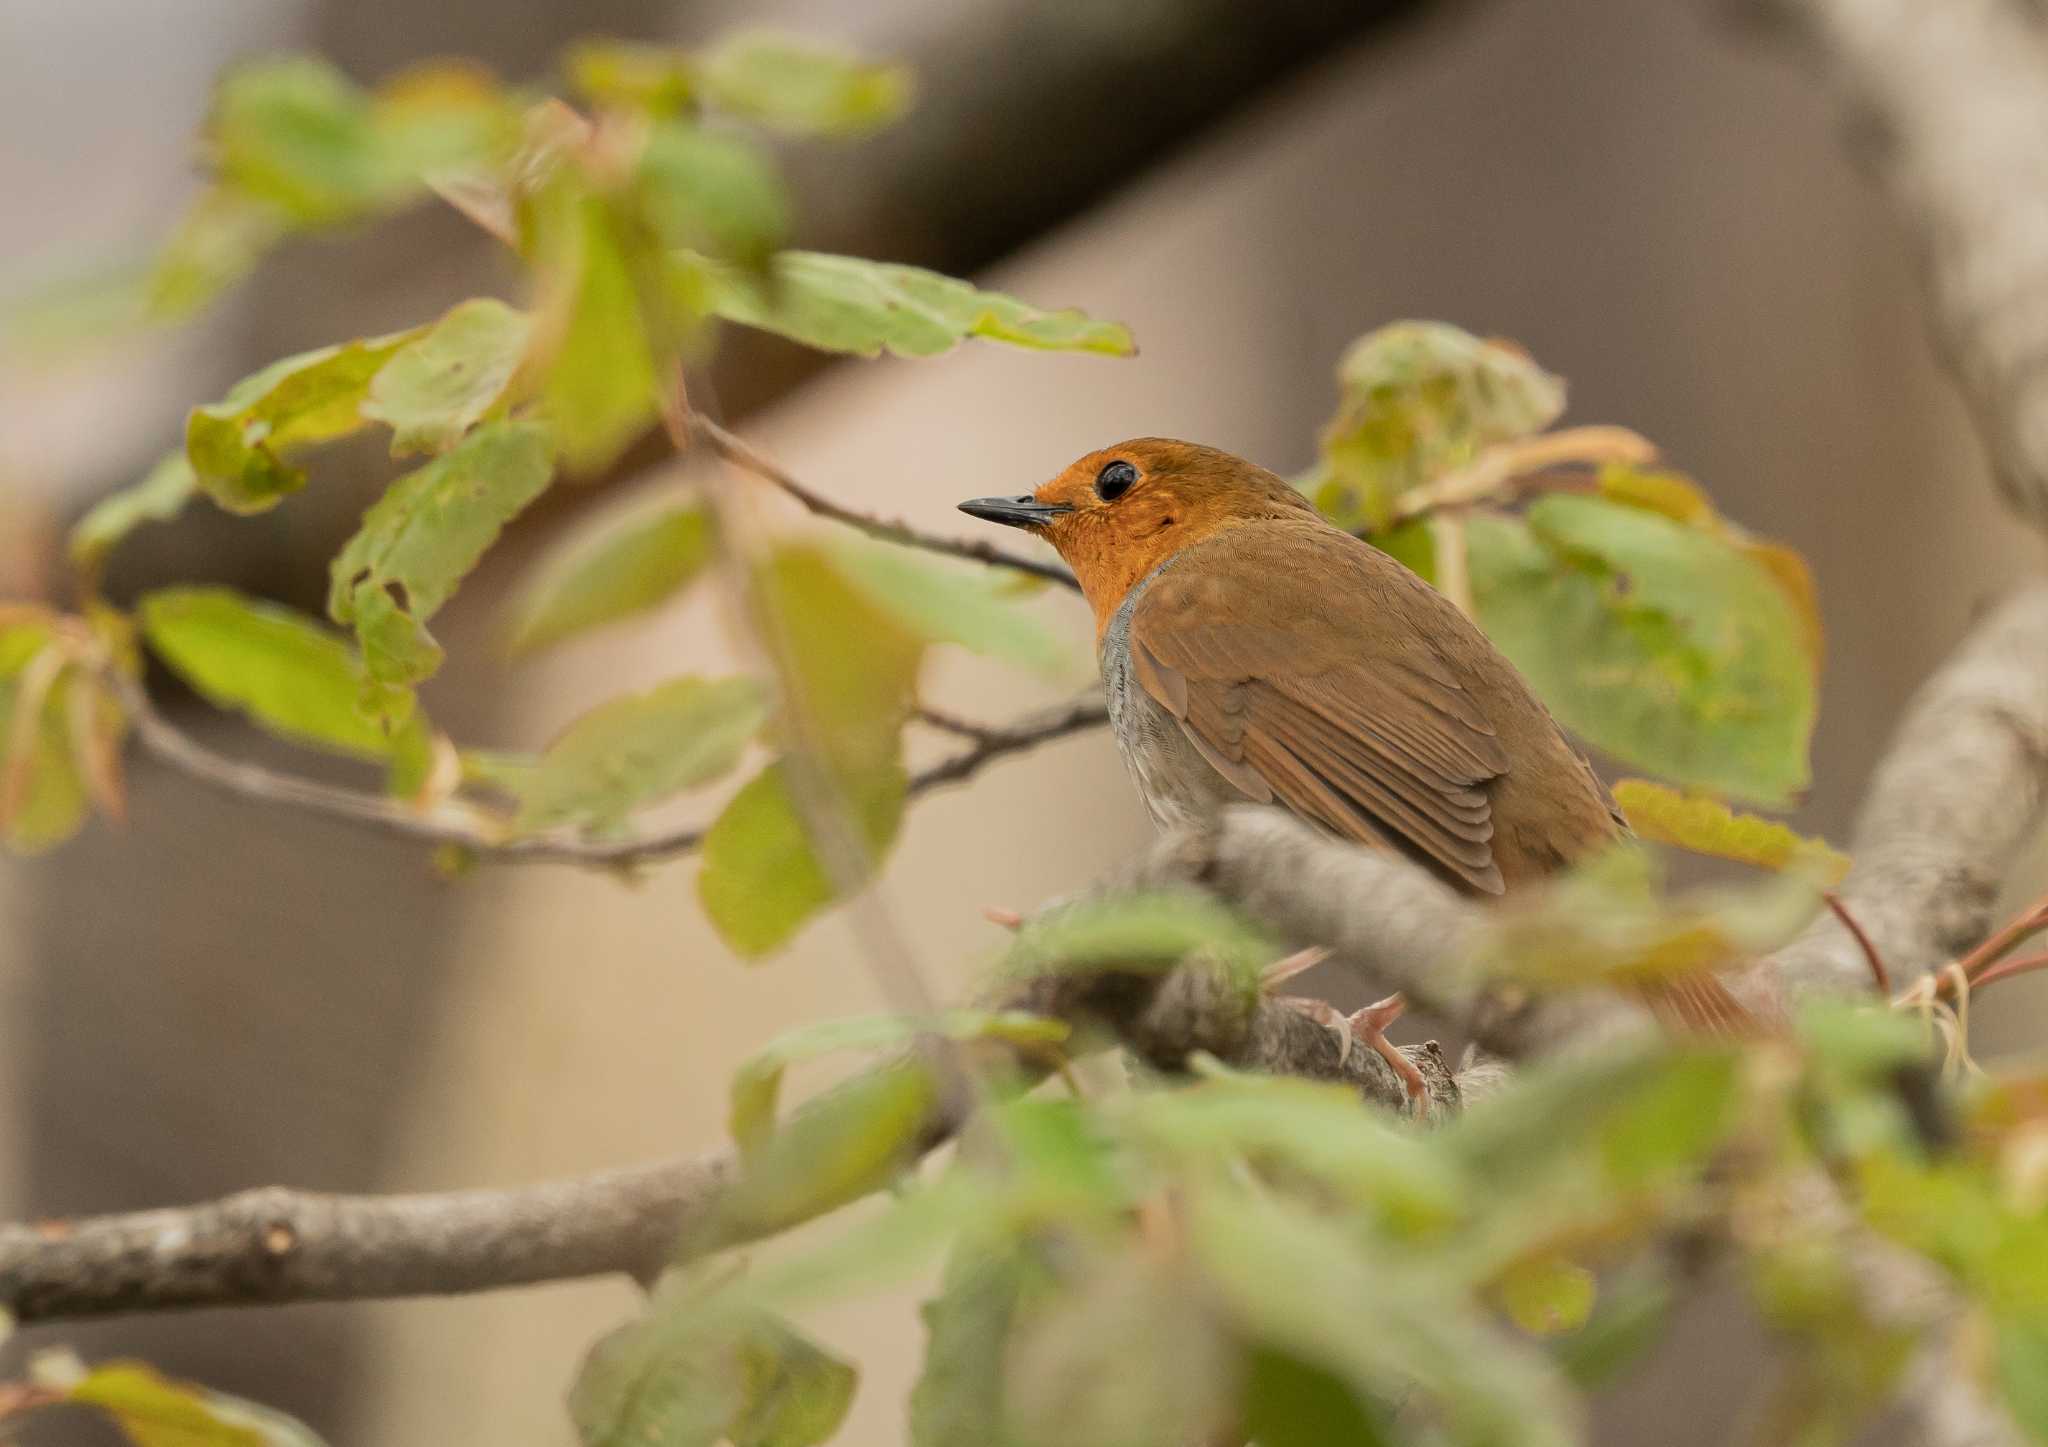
pixel 44 792
pixel 421 538
pixel 1705 825
pixel 846 304
pixel 282 670
pixel 449 377
pixel 658 79
pixel 761 879
pixel 160 496
pixel 794 84
pixel 153 1411
pixel 238 446
pixel 1417 400
pixel 637 750
pixel 627 564
pixel 591 345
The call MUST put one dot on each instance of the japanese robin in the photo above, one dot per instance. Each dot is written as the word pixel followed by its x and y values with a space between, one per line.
pixel 1253 651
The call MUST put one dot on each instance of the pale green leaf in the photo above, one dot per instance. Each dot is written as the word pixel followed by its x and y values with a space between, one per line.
pixel 626 564
pixel 1140 933
pixel 217 242
pixel 847 304
pixel 681 1376
pixel 421 538
pixel 757 1084
pixel 238 447
pixel 44 792
pixel 2023 1370
pixel 1707 826
pixel 796 84
pixel 639 749
pixel 959 1396
pixel 953 603
pixel 761 879
pixel 711 192
pixel 1666 646
pixel 280 669
pixel 297 133
pixel 1417 400
pixel 160 496
pixel 632 75
pixel 449 377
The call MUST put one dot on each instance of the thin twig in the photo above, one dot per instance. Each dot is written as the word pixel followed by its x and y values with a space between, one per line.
pixel 458 824
pixel 740 453
pixel 1496 471
pixel 1878 972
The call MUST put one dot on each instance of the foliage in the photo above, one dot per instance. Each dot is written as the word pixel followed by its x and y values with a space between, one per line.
pixel 1209 1254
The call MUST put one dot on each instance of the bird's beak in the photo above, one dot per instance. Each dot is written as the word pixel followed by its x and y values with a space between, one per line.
pixel 1016 512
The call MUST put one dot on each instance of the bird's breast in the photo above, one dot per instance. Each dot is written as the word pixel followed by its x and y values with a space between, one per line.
pixel 1175 781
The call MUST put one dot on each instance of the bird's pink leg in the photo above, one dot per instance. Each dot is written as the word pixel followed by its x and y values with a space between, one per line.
pixel 1370 1025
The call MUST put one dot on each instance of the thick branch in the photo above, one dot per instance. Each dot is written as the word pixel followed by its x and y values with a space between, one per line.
pixel 1950 98
pixel 1957 797
pixel 278 1245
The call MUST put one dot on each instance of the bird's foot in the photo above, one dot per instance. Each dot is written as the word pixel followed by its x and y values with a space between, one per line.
pixel 1370 1025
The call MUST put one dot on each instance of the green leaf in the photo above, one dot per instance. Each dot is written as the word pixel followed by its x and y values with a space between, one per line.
pixel 1546 1294
pixel 1149 933
pixel 681 1376
pixel 797 85
pixel 761 879
pixel 298 134
pixel 153 1411
pixel 627 564
pixel 419 540
pixel 217 242
pixel 711 192
pixel 1665 646
pixel 1417 400
pixel 1289 1402
pixel 758 1082
pixel 44 796
pixel 278 668
pixel 1294 1281
pixel 2023 1371
pixel 1664 815
pixel 959 1396
pixel 449 377
pixel 1306 1132
pixel 1627 1320
pixel 834 1148
pixel 846 304
pixel 952 603
pixel 238 446
pixel 593 347
pixel 631 75
pixel 850 666
pixel 1131 1353
pixel 639 749
pixel 160 496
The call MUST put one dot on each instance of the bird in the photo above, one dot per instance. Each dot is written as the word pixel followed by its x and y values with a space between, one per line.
pixel 1252 651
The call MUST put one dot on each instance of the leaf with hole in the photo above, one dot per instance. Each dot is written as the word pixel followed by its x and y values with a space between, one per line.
pixel 420 539
pixel 449 377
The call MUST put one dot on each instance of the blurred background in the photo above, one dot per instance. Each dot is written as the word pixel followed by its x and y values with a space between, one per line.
pixel 1651 197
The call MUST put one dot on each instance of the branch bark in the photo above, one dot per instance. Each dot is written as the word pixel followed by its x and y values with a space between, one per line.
pixel 276 1245
pixel 1948 100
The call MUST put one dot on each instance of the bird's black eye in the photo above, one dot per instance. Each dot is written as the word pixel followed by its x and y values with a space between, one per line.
pixel 1115 480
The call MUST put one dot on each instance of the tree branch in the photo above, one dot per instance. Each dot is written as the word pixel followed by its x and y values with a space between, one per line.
pixel 1949 101
pixel 276 1245
pixel 456 823
pixel 742 454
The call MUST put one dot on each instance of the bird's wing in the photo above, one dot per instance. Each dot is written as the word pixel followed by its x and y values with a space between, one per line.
pixel 1288 702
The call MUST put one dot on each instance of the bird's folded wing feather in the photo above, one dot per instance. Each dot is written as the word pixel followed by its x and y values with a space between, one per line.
pixel 1378 748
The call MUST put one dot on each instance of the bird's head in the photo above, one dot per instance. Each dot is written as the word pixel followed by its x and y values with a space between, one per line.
pixel 1117 514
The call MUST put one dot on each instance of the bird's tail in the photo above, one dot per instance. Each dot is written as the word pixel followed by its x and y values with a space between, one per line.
pixel 1697 1004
